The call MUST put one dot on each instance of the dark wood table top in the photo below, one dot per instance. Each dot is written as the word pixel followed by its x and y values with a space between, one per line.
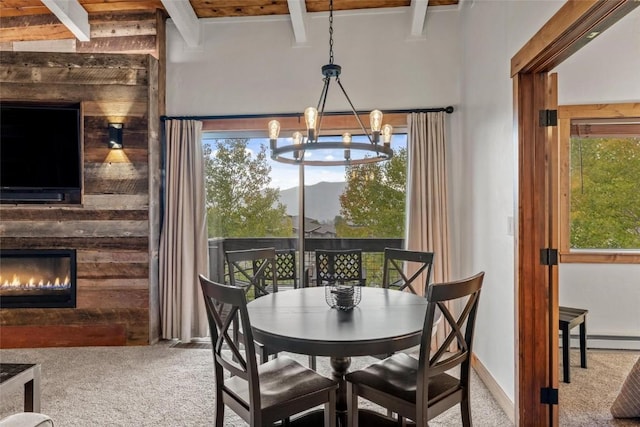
pixel 300 321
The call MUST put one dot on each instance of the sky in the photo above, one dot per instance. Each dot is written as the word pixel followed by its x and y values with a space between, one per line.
pixel 285 176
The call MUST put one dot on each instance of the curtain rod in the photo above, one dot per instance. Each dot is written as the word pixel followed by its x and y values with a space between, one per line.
pixel 448 110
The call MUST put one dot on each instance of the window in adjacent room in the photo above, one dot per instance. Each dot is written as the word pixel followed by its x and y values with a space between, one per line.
pixel 601 182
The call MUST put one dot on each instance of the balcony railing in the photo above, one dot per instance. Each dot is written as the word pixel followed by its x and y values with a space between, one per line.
pixel 372 252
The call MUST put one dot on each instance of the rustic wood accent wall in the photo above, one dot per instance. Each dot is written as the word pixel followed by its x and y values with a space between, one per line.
pixel 121 32
pixel 116 228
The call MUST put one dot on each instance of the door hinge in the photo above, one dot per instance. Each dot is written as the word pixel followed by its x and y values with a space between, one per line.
pixel 548 118
pixel 548 256
pixel 549 396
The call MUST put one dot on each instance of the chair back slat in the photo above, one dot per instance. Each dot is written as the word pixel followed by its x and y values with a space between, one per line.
pixel 397 264
pixel 339 266
pixel 442 366
pixel 286 268
pixel 253 270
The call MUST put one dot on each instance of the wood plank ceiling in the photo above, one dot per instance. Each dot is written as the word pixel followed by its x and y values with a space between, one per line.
pixel 24 20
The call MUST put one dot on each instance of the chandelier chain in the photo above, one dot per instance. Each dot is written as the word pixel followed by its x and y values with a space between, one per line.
pixel 330 31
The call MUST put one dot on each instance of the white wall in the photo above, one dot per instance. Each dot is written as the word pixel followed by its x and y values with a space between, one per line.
pixel 611 293
pixel 606 70
pixel 493 31
pixel 250 66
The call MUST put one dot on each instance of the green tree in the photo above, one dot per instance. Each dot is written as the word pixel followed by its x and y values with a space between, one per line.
pixel 605 193
pixel 373 201
pixel 239 201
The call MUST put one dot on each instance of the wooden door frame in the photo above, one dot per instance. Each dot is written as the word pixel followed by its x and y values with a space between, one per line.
pixel 536 292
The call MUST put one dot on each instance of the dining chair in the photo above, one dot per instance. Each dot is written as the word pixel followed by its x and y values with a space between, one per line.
pixel 259 394
pixel 396 265
pixel 421 389
pixel 286 271
pixel 339 267
pixel 248 271
pixel 252 270
pixel 395 274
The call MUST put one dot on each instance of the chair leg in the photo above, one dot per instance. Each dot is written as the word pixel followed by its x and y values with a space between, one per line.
pixel 312 362
pixel 330 410
pixel 465 408
pixel 583 344
pixel 219 412
pixel 565 354
pixel 263 355
pixel 352 406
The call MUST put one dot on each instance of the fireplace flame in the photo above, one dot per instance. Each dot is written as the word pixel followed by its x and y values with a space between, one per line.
pixel 33 283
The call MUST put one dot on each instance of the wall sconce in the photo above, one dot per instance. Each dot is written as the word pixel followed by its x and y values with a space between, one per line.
pixel 115 136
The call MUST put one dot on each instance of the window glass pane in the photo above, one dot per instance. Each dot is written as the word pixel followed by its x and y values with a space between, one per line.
pixel 605 192
pixel 251 195
pixel 373 201
pixel 242 189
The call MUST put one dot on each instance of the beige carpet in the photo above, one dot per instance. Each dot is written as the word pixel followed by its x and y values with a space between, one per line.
pixel 159 386
pixel 586 401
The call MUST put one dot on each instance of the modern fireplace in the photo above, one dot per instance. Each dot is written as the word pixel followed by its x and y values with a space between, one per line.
pixel 37 278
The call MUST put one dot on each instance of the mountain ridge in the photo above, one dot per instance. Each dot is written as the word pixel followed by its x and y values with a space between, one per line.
pixel 322 200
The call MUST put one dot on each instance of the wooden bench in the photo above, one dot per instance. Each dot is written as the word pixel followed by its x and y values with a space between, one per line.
pixel 569 319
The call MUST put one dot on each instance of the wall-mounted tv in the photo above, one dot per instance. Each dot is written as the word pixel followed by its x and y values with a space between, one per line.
pixel 40 154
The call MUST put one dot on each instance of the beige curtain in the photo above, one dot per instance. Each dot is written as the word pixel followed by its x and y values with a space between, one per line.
pixel 183 239
pixel 427 201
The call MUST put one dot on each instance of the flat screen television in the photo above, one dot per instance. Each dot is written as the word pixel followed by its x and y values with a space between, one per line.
pixel 40 154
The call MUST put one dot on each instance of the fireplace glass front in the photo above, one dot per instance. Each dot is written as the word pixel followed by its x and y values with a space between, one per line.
pixel 37 278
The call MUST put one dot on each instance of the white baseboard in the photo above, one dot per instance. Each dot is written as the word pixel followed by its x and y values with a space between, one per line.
pixel 494 388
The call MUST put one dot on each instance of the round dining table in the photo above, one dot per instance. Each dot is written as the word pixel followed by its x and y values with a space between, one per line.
pixel 300 321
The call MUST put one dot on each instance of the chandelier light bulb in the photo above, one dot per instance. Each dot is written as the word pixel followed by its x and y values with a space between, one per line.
pixel 274 131
pixel 311 117
pixel 376 120
pixel 375 117
pixel 297 140
pixel 346 139
pixel 387 131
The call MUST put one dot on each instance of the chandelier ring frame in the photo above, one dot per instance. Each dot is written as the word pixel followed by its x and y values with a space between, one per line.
pixel 382 153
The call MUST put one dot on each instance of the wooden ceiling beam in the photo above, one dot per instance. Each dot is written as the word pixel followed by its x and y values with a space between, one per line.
pixel 300 11
pixel 186 20
pixel 121 6
pixel 418 16
pixel 297 13
pixel 72 15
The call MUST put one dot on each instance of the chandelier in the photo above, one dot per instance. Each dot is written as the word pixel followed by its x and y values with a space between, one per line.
pixel 378 147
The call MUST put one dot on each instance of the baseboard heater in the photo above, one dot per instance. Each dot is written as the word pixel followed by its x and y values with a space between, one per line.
pixel 630 342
